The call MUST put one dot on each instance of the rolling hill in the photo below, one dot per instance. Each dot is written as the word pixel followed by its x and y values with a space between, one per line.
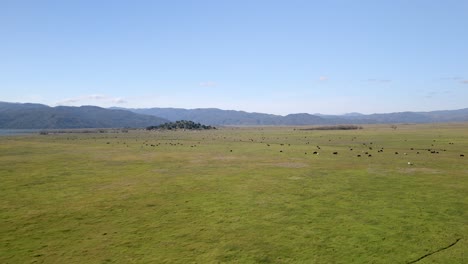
pixel 213 116
pixel 38 116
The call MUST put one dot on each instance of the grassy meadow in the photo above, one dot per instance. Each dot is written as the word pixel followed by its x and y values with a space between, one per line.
pixel 236 195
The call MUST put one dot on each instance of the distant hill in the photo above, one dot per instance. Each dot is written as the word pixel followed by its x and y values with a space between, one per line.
pixel 218 117
pixel 214 116
pixel 37 116
pixel 18 116
pixel 353 114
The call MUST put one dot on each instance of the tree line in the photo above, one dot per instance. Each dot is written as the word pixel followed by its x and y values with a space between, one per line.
pixel 181 124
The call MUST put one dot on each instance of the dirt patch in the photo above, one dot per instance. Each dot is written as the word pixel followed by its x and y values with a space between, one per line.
pixel 294 178
pixel 201 160
pixel 122 184
pixel 224 158
pixel 377 171
pixel 196 161
pixel 160 170
pixel 419 170
pixel 294 165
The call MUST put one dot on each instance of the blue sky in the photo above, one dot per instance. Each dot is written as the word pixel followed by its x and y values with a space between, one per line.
pixel 278 57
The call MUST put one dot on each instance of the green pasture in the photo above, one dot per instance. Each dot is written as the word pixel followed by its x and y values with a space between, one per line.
pixel 236 195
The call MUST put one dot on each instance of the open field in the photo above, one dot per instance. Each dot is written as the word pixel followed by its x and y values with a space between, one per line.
pixel 238 195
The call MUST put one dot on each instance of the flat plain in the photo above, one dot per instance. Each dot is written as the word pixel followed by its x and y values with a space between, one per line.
pixel 237 195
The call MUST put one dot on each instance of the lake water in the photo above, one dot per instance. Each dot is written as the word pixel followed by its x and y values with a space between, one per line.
pixel 12 132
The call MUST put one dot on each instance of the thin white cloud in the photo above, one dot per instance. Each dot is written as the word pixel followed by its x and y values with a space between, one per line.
pixel 68 101
pixel 93 98
pixel 208 84
pixel 378 80
pixel 323 78
pixel 453 78
pixel 119 101
pixel 430 94
pixel 96 97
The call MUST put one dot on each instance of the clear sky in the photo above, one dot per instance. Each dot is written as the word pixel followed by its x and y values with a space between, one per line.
pixel 278 57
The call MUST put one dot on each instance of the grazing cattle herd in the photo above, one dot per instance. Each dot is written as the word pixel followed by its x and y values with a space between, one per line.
pixel 368 149
pixel 395 194
pixel 360 149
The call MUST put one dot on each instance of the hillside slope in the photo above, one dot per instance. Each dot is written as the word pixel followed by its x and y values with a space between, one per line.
pixel 37 116
pixel 213 116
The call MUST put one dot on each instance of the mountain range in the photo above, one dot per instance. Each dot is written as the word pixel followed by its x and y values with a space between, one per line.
pixel 38 116
pixel 217 117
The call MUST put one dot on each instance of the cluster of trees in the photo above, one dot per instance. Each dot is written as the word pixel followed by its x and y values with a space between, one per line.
pixel 182 124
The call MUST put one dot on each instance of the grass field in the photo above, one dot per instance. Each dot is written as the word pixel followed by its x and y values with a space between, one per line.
pixel 236 195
